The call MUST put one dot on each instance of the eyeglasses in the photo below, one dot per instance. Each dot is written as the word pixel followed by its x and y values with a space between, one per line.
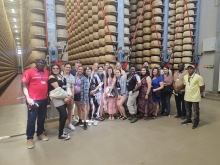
pixel 55 68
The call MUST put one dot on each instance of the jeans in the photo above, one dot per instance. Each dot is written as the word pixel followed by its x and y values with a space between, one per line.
pixel 62 120
pixel 195 106
pixel 38 113
pixel 166 103
pixel 181 111
pixel 131 103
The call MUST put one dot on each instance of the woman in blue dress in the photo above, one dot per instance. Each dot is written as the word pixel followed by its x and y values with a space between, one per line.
pixel 157 85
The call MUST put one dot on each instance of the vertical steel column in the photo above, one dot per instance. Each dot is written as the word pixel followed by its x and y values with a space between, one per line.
pixel 52 39
pixel 51 24
pixel 196 41
pixel 166 24
pixel 120 26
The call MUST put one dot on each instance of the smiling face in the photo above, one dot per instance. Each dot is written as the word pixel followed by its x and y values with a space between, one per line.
pixel 55 70
pixel 67 69
pixel 40 64
pixel 100 70
pixel 88 71
pixel 118 65
pixel 109 71
pixel 132 70
pixel 146 64
pixel 107 66
pixel 155 72
pixel 143 71
pixel 165 70
pixel 95 66
pixel 191 70
pixel 117 73
pixel 80 70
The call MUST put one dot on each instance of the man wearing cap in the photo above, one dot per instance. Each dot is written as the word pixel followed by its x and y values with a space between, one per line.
pixel 194 86
pixel 35 89
pixel 74 70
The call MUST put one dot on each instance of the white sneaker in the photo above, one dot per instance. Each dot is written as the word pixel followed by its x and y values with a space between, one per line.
pixel 95 122
pixel 76 118
pixel 71 127
pixel 90 123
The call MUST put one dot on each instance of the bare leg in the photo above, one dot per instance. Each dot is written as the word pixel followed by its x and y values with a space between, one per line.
pixel 78 109
pixel 83 112
pixel 120 104
pixel 101 106
pixel 156 108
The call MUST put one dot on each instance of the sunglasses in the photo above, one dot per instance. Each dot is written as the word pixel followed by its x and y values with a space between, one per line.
pixel 55 68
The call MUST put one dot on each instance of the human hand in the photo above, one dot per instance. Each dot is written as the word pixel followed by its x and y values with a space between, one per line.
pixel 100 85
pixel 154 90
pixel 119 97
pixel 165 84
pixel 30 101
pixel 92 92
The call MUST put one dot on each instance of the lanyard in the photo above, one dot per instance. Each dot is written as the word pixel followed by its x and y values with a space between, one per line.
pixel 189 79
pixel 41 76
pixel 179 74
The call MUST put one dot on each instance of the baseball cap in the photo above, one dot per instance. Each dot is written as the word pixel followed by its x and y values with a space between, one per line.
pixel 191 66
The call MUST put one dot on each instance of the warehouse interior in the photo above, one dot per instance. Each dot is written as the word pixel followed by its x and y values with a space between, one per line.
pixel 129 31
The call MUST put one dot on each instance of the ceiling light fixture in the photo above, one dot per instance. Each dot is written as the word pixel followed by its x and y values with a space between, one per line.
pixel 16 31
pixel 15 26
pixel 13 10
pixel 14 19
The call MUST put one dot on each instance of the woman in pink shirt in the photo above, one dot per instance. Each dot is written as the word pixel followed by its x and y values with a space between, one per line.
pixel 167 91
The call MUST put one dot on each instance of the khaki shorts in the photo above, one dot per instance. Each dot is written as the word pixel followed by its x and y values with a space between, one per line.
pixel 70 106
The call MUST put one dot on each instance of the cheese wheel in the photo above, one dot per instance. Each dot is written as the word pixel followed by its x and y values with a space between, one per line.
pixel 91 46
pixel 90 21
pixel 147 45
pixel 189 6
pixel 177 60
pixel 147 15
pixel 133 8
pixel 126 30
pixel 158 27
pixel 101 24
pixel 133 47
pixel 108 39
pixel 147 23
pixel 157 11
pixel 171 37
pixel 146 53
pixel 139 33
pixel 187 47
pixel 133 14
pixel 133 54
pixel 110 58
pixel 91 37
pixel 156 19
pixel 179 35
pixel 155 58
pixel 35 5
pixel 96 52
pixel 187 34
pixel 126 11
pixel 178 48
pixel 112 28
pixel 37 43
pixel 173 19
pixel 126 40
pixel 179 23
pixel 139 40
pixel 140 4
pixel 102 50
pixel 109 49
pixel 95 10
pixel 36 17
pixel 153 65
pixel 60 9
pixel 146 38
pixel 132 60
pixel 96 59
pixel 139 47
pixel 179 29
pixel 179 16
pixel 189 13
pixel 175 66
pixel 155 43
pixel 189 20
pixel 91 53
pixel 139 66
pixel 148 59
pixel 101 41
pixel 139 60
pixel 179 10
pixel 155 35
pixel 186 59
pixel 133 2
pixel 179 3
pixel 147 30
pixel 36 30
pixel 177 54
pixel 155 51
pixel 171 61
pixel 179 42
pixel 101 33
pixel 188 26
pixel 157 3
pixel 126 21
pixel 187 53
pixel 139 53
pixel 187 40
pixel 172 13
pixel 95 18
pixel 96 43
pixel 109 8
pixel 102 59
pixel 133 21
pixel 111 18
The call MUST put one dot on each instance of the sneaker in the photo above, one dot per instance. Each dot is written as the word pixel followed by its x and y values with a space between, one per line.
pixel 71 127
pixel 66 133
pixel 64 136
pixel 85 126
pixel 177 116
pixel 79 123
pixel 183 117
pixel 95 122
pixel 130 118
pixel 75 118
pixel 90 123
pixel 42 137
pixel 30 143
pixel 187 122
pixel 195 126
pixel 134 119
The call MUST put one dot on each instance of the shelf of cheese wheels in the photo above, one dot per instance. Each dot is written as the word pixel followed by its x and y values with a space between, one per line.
pixel 8 54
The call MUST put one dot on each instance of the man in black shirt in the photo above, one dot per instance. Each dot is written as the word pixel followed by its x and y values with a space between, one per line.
pixel 74 70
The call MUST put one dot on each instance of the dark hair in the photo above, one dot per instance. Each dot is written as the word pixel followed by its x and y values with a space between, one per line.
pixel 132 66
pixel 51 69
pixel 166 68
pixel 90 68
pixel 100 66
pixel 162 64
pixel 68 63
pixel 147 72
pixel 80 67
pixel 145 61
pixel 158 71
pixel 112 75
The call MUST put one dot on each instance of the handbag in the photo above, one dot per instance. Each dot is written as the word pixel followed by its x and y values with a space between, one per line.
pixel 112 94
pixel 168 89
pixel 158 93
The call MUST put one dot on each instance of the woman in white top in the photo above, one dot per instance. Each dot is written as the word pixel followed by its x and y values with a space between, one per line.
pixel 119 67
pixel 70 81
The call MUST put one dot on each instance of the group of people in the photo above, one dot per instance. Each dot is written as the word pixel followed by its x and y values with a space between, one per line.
pixel 98 90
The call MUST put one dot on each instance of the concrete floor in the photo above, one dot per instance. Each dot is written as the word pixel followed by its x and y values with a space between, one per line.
pixel 162 141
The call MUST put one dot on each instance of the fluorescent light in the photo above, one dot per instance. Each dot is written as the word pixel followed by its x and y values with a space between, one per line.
pixel 17 38
pixel 16 31
pixel 14 19
pixel 11 0
pixel 15 26
pixel 13 10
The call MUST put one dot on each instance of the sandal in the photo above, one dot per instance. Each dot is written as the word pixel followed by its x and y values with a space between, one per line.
pixel 101 118
pixel 120 117
pixel 110 118
pixel 124 118
pixel 154 117
pixel 113 118
pixel 144 118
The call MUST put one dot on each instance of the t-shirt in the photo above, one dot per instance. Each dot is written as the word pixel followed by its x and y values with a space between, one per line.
pixel 156 82
pixel 161 72
pixel 178 79
pixel 192 87
pixel 73 72
pixel 37 83
pixel 70 79
pixel 132 81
